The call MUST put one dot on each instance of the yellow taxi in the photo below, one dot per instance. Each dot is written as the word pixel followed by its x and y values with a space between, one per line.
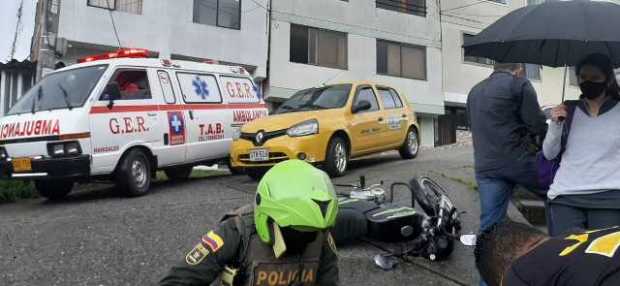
pixel 328 126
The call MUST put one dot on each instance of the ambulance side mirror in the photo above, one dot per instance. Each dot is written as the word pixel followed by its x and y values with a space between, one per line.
pixel 111 93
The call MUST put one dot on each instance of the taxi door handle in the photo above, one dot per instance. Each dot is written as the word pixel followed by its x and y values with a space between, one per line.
pixel 404 116
pixel 191 115
pixel 380 119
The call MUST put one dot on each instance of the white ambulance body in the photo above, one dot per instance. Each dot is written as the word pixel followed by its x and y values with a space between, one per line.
pixel 123 119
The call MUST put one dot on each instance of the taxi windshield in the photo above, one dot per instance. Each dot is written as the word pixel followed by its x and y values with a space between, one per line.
pixel 328 97
pixel 65 89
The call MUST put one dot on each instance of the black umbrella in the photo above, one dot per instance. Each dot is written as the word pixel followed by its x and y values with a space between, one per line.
pixel 552 34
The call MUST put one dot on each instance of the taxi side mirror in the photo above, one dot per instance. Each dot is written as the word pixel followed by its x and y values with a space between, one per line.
pixel 363 105
pixel 111 93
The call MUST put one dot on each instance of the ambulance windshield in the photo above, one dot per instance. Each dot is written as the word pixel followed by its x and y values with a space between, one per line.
pixel 328 97
pixel 65 89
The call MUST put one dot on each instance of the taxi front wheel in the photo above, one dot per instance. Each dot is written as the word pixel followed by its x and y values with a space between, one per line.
pixel 54 190
pixel 337 159
pixel 133 176
pixel 411 146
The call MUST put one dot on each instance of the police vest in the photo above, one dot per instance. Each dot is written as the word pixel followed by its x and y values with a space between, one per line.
pixel 258 265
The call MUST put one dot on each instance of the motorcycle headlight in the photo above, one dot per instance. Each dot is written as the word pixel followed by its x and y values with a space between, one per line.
pixel 305 128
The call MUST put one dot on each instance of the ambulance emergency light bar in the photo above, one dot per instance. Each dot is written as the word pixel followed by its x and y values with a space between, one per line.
pixel 120 53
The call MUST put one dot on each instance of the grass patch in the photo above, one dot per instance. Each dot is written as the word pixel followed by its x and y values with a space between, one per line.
pixel 11 191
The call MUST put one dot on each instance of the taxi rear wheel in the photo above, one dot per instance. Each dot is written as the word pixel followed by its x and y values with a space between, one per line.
pixel 54 190
pixel 411 146
pixel 133 176
pixel 337 159
pixel 179 173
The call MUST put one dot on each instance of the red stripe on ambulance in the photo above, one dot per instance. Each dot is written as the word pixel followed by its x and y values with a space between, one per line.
pixel 168 107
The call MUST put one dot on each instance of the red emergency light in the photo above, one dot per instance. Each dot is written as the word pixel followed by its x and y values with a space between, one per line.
pixel 120 53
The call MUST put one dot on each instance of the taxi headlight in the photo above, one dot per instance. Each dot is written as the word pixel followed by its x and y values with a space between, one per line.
pixel 305 128
pixel 236 134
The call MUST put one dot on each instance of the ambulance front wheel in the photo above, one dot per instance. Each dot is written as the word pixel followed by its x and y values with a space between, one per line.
pixel 133 176
pixel 54 190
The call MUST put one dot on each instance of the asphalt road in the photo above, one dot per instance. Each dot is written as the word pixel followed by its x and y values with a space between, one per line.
pixel 96 237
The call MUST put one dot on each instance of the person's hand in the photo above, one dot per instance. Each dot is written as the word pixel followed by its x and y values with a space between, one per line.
pixel 559 113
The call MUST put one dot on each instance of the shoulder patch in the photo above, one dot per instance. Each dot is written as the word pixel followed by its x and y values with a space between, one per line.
pixel 196 255
pixel 213 241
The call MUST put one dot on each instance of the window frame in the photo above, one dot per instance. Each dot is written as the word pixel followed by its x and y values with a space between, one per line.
pixel 395 96
pixel 357 91
pixel 163 93
pixel 414 10
pixel 317 48
pixel 121 69
pixel 217 83
pixel 217 15
pixel 400 48
pixel 115 7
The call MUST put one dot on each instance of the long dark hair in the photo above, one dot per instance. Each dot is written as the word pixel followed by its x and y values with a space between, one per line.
pixel 603 63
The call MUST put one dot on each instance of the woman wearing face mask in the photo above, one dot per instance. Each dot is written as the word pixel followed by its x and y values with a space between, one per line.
pixel 585 193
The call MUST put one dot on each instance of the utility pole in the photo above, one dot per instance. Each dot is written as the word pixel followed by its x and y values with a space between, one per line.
pixel 45 56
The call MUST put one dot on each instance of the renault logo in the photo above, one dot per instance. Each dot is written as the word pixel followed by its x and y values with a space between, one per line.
pixel 259 138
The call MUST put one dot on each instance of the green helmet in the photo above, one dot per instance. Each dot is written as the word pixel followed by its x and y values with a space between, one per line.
pixel 294 194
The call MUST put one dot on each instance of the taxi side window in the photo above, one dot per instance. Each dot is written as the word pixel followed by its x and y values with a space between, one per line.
pixel 387 99
pixel 367 94
pixel 133 84
pixel 397 100
pixel 166 86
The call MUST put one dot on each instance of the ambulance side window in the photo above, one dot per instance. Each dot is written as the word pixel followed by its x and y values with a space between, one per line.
pixel 199 88
pixel 166 86
pixel 133 84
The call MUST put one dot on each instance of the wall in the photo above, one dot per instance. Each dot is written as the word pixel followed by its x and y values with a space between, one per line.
pixel 167 27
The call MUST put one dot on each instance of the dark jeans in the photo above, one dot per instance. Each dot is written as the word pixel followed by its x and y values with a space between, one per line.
pixel 495 194
pixel 568 218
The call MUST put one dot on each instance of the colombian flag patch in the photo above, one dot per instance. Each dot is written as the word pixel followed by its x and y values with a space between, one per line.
pixel 213 241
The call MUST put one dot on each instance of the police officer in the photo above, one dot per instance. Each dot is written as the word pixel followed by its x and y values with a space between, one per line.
pixel 283 240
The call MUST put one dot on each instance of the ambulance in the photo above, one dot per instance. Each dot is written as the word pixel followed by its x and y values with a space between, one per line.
pixel 122 116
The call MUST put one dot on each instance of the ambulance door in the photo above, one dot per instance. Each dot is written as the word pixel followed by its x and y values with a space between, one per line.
pixel 173 149
pixel 205 116
pixel 121 120
pixel 242 97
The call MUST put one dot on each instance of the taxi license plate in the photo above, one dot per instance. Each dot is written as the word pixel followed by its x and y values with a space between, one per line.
pixel 259 155
pixel 22 165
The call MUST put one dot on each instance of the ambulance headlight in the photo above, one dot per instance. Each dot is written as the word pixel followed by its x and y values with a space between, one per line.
pixel 64 149
pixel 305 128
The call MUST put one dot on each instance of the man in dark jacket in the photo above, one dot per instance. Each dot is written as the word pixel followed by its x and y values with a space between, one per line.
pixel 505 116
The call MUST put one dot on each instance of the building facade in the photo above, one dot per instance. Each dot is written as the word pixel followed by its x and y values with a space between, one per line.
pixel 228 31
pixel 393 42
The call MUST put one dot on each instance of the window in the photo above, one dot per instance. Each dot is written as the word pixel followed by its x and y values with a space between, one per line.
pixel 532 72
pixel 367 94
pixel 401 60
pixel 504 1
pixel 199 88
pixel 133 84
pixel 129 6
pixel 327 97
pixel 220 13
pixel 414 7
pixel 166 86
pixel 535 2
pixel 476 60
pixel 390 98
pixel 318 47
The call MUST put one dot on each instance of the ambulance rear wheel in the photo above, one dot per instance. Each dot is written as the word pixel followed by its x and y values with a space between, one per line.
pixel 178 173
pixel 54 190
pixel 133 176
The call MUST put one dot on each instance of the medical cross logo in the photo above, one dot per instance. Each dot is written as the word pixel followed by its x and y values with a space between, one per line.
pixel 200 87
pixel 176 123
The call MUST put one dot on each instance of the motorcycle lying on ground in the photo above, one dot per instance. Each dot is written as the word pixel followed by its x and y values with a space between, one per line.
pixel 367 215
